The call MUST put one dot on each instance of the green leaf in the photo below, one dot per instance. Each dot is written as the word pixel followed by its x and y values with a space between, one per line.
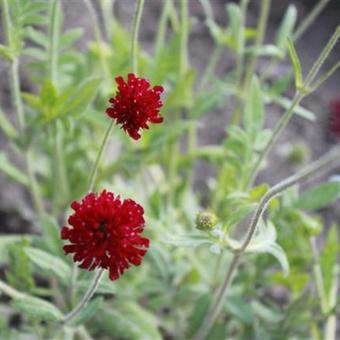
pixel 239 308
pixel 78 100
pixel 265 312
pixel 128 320
pixel 11 171
pixel 319 196
pixel 37 36
pixel 299 110
pixel 48 94
pixel 70 36
pixel 37 308
pixel 7 240
pixel 236 27
pixel 51 236
pixel 286 28
pixel 7 126
pixel 328 257
pixel 254 110
pixel 6 53
pixel 187 240
pixel 49 262
pixel 265 51
pixel 296 64
pixel 200 309
pixel 88 312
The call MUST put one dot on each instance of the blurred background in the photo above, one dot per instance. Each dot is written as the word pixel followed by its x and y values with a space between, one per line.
pixel 310 139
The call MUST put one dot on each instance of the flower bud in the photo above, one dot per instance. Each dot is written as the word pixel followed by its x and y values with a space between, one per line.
pixel 206 220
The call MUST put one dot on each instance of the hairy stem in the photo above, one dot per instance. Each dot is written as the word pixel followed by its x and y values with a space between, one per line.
pixel 98 158
pixel 86 298
pixel 328 162
pixel 300 94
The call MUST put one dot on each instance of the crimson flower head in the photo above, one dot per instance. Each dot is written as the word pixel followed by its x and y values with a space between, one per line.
pixel 335 118
pixel 135 105
pixel 105 232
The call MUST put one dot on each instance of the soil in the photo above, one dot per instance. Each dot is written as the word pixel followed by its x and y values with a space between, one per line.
pixel 15 211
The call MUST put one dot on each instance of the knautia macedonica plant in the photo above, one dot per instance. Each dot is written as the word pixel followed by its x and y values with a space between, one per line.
pixel 122 241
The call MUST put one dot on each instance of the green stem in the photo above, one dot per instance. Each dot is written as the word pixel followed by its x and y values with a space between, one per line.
pixel 99 155
pixel 161 32
pixel 310 19
pixel 296 100
pixel 326 163
pixel 331 323
pixel 209 71
pixel 86 298
pixel 261 29
pixel 323 56
pixel 135 30
pixel 320 287
pixel 98 36
pixel 325 76
pixel 54 42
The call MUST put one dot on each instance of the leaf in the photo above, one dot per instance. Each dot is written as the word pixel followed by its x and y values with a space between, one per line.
pixel 128 320
pixel 7 126
pixel 199 311
pixel 286 28
pixel 51 236
pixel 6 53
pixel 239 308
pixel 265 51
pixel 48 94
pixel 37 308
pixel 11 171
pixel 49 262
pixel 37 36
pixel 7 240
pixel 187 240
pixel 328 257
pixel 296 64
pixel 299 110
pixel 79 100
pixel 88 312
pixel 254 110
pixel 265 312
pixel 70 36
pixel 319 196
pixel 237 29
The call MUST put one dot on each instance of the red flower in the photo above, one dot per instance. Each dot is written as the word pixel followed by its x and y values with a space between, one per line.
pixel 105 233
pixel 135 104
pixel 335 118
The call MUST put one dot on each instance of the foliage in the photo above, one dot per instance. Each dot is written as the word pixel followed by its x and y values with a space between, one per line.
pixel 169 296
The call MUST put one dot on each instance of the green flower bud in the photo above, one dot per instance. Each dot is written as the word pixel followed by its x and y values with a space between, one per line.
pixel 206 220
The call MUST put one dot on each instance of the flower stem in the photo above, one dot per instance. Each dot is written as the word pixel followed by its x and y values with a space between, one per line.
pixel 328 162
pixel 99 155
pixel 135 30
pixel 86 298
pixel 299 95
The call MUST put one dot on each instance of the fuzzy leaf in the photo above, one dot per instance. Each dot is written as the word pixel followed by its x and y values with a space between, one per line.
pixel 296 64
pixel 11 171
pixel 49 262
pixel 37 308
pixel 319 196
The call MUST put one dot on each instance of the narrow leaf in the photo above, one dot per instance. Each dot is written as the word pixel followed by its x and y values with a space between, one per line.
pixel 49 262
pixel 319 196
pixel 286 28
pixel 254 110
pixel 296 64
pixel 11 171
